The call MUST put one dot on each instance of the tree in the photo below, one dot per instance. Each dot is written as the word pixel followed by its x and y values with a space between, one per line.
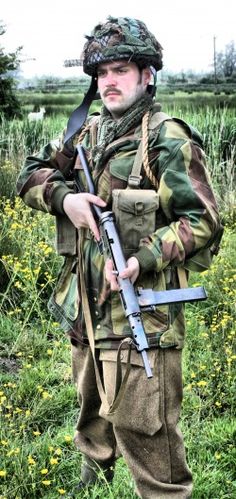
pixel 226 61
pixel 9 104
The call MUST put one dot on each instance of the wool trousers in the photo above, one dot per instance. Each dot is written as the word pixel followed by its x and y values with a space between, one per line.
pixel 143 428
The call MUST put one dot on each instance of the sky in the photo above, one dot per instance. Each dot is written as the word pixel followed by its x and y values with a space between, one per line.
pixel 51 31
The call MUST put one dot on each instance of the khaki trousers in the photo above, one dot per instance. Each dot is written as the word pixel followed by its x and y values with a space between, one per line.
pixel 144 427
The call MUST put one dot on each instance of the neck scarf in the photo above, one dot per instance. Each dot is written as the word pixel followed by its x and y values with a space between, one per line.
pixel 110 130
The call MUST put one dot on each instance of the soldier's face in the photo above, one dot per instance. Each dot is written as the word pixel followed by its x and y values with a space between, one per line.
pixel 120 84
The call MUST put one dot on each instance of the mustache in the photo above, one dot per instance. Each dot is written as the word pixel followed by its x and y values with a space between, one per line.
pixel 111 89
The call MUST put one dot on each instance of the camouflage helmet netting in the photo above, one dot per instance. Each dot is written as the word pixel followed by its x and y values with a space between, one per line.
pixel 121 38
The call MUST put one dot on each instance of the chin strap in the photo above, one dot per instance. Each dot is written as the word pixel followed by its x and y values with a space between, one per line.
pixel 79 115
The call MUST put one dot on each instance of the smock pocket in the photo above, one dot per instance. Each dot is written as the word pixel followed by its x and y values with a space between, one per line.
pixel 135 213
pixel 136 403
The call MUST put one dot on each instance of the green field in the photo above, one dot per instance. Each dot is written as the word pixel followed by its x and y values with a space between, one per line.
pixel 38 407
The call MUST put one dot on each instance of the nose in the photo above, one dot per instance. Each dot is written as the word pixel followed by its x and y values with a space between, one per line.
pixel 110 79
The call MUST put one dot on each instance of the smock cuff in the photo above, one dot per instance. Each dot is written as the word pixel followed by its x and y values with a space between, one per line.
pixel 146 259
pixel 57 198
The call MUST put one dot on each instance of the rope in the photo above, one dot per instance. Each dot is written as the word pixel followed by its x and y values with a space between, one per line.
pixel 145 160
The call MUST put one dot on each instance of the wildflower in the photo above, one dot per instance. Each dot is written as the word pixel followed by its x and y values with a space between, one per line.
pixel 46 395
pixel 58 451
pixel 18 410
pixel 61 491
pixel 53 460
pixel 27 412
pixel 46 482
pixel 3 473
pixel 67 438
pixel 4 443
pixel 217 455
pixel 50 448
pixel 31 460
pixel 49 351
pixel 44 471
pixel 201 383
pixel 36 433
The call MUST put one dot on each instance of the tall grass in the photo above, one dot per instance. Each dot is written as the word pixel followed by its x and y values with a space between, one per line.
pixel 19 138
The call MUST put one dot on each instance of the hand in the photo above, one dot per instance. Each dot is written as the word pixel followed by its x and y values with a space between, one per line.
pixel 131 271
pixel 78 208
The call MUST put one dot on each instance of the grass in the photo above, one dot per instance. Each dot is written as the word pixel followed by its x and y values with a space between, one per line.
pixel 38 406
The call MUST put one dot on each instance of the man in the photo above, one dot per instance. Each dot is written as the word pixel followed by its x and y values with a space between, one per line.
pixel 140 421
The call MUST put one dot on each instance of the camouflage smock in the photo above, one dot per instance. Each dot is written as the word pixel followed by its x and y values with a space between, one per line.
pixel 187 220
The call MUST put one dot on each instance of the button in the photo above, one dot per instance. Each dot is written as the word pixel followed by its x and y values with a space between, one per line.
pixel 98 326
pixel 95 299
pixel 96 313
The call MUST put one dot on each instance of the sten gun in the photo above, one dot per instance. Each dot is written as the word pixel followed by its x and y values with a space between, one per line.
pixel 133 302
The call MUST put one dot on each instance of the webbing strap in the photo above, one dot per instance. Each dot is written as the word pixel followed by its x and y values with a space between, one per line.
pixel 141 154
pixel 79 115
pixel 120 382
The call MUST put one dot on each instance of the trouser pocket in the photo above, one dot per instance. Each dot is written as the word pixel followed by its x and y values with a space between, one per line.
pixel 139 406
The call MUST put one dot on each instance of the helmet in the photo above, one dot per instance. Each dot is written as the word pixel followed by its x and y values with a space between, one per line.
pixel 121 38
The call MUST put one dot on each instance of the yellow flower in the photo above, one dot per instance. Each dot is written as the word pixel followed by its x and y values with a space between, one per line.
pixel 217 455
pixel 44 471
pixel 31 460
pixel 46 482
pixel 49 351
pixel 202 383
pixel 68 438
pixel 61 491
pixel 36 433
pixel 4 442
pixel 53 460
pixel 46 395
pixel 3 473
pixel 58 451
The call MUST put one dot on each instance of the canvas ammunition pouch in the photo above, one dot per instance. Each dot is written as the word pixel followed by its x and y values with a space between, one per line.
pixel 135 214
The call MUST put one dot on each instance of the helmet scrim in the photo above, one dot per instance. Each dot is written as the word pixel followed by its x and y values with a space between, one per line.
pixel 121 38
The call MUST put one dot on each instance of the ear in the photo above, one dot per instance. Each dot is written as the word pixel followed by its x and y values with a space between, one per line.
pixel 147 75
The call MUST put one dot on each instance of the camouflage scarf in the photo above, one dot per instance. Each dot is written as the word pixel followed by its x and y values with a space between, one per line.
pixel 110 130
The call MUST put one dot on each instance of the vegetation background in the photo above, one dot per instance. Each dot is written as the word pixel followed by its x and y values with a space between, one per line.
pixel 38 407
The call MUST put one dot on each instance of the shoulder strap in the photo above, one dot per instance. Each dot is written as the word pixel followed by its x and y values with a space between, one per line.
pixel 141 157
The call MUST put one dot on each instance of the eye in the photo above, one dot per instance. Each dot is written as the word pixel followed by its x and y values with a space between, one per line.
pixel 121 70
pixel 101 73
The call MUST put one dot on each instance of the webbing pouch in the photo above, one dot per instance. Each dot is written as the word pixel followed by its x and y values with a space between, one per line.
pixel 135 213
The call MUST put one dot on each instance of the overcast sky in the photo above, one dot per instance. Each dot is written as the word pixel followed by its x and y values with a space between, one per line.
pixel 51 31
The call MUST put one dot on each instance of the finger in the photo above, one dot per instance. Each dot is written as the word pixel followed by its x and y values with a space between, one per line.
pixel 93 226
pixel 96 200
pixel 108 269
